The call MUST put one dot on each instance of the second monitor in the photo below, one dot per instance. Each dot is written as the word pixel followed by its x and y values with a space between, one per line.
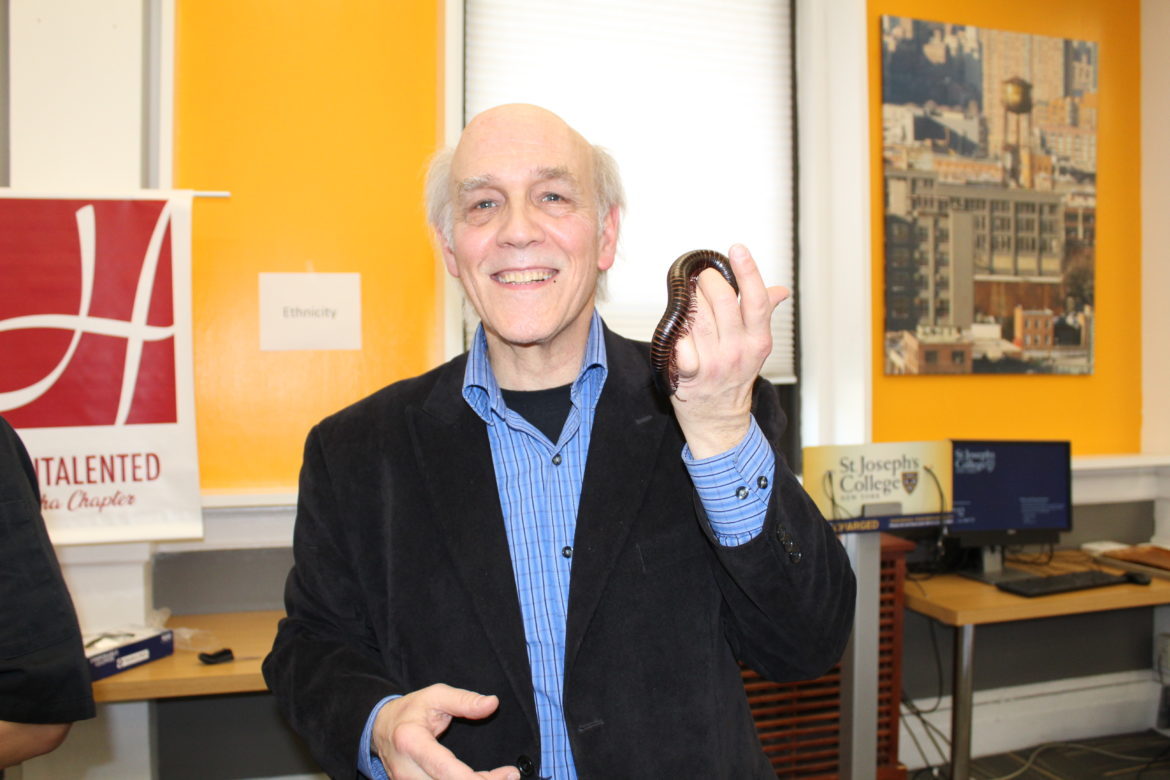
pixel 1008 493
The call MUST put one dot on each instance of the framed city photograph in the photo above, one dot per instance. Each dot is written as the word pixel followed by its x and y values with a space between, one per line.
pixel 989 146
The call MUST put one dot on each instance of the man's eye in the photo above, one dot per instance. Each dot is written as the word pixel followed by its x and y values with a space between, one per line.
pixel 483 204
pixel 551 197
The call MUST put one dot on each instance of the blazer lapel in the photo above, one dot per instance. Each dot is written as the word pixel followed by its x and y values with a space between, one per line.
pixel 627 433
pixel 453 450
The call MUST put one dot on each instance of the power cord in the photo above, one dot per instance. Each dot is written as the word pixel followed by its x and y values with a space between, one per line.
pixel 1148 761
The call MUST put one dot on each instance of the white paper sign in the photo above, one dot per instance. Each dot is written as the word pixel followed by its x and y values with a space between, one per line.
pixel 310 311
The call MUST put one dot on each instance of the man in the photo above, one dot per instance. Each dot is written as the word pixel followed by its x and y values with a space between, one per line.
pixel 501 566
pixel 44 677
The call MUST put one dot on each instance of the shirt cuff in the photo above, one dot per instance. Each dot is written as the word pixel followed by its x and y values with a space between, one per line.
pixel 369 765
pixel 735 487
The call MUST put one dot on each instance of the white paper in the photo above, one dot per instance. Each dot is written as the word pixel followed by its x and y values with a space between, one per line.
pixel 310 311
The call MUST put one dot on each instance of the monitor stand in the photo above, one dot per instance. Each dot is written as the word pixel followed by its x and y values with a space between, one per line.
pixel 992 570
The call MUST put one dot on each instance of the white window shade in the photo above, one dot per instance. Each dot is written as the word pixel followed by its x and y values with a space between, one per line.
pixel 694 101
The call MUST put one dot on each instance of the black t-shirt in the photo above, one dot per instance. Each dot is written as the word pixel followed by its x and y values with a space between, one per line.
pixel 547 409
pixel 44 677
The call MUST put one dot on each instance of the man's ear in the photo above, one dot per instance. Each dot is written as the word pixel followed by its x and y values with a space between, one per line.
pixel 607 251
pixel 448 253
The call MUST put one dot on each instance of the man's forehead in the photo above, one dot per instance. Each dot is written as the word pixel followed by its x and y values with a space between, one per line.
pixel 520 141
pixel 539 173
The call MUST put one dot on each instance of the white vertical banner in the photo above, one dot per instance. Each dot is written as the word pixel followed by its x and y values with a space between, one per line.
pixel 96 362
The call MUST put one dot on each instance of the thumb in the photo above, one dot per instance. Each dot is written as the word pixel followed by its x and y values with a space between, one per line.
pixel 482 706
pixel 469 704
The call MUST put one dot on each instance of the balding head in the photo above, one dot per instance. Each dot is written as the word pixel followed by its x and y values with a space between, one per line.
pixel 520 130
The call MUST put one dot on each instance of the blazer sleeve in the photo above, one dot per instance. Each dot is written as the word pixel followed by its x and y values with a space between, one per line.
pixel 326 668
pixel 789 594
pixel 44 675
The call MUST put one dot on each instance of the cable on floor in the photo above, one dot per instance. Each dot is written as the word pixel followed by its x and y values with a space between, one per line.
pixel 1077 746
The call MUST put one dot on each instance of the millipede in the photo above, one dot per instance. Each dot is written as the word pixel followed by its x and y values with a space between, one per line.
pixel 681 281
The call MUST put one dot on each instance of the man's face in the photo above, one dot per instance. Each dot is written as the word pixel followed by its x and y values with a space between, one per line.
pixel 526 245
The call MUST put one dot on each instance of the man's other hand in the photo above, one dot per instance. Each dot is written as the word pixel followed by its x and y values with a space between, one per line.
pixel 406 731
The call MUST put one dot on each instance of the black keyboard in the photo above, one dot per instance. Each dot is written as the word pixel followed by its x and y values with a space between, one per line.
pixel 1061 583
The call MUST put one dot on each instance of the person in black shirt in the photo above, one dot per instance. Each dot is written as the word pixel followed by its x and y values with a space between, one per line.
pixel 44 678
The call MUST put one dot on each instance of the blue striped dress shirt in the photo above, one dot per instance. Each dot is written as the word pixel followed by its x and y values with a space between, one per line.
pixel 539 483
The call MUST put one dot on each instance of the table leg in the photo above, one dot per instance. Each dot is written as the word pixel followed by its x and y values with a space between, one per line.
pixel 859 666
pixel 962 702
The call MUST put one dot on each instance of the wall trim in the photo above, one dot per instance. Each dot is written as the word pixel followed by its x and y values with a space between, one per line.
pixel 1022 716
pixel 266 519
pixel 235 521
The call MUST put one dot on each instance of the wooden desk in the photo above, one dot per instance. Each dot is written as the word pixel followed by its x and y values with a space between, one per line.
pixel 248 634
pixel 964 603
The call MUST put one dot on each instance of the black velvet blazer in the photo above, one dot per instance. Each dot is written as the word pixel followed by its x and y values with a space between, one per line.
pixel 402 578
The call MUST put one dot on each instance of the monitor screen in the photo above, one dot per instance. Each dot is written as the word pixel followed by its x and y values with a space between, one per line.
pixel 1011 492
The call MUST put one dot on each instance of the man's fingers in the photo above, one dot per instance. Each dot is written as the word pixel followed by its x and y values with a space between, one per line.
pixel 702 328
pixel 416 743
pixel 503 773
pixel 756 301
pixel 686 357
pixel 747 273
pixel 723 323
pixel 461 703
pixel 407 730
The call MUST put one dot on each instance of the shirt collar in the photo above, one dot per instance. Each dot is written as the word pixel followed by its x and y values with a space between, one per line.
pixel 482 393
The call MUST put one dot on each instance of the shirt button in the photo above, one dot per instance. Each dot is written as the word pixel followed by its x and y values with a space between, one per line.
pixel 556 459
pixel 741 492
pixel 762 482
pixel 566 552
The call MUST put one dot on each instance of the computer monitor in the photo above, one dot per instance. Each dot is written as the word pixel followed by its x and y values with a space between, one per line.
pixel 1008 493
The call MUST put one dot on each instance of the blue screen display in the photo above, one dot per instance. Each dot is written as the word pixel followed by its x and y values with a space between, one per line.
pixel 1012 486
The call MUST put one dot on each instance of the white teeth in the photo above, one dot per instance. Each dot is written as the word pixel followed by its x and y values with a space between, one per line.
pixel 524 276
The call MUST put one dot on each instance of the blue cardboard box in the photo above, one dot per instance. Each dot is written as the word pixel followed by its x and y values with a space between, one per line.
pixel 117 650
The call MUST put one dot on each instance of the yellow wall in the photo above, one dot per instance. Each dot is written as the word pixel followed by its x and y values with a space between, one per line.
pixel 1100 413
pixel 318 118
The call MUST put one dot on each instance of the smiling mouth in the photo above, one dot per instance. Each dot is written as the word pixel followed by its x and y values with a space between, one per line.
pixel 525 276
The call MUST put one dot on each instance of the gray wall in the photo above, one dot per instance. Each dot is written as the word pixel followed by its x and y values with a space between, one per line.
pixel 221 580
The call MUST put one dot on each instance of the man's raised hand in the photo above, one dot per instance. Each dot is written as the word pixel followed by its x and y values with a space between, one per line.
pixel 719 359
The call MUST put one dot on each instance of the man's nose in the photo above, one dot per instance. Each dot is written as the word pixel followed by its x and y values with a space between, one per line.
pixel 521 225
